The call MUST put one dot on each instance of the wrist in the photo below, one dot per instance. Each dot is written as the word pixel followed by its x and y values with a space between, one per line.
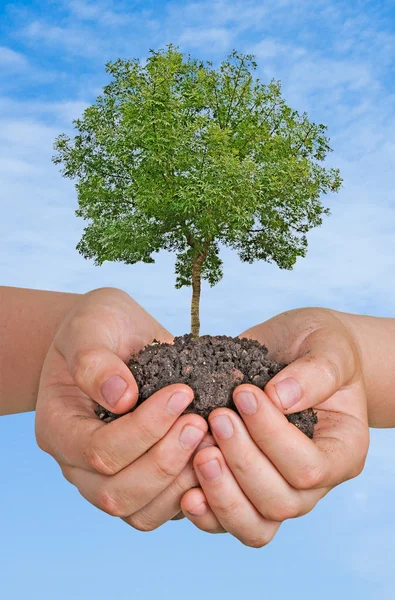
pixel 374 338
pixel 29 320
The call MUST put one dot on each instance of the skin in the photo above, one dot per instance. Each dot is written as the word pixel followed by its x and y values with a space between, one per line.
pixel 264 469
pixel 341 361
pixel 139 466
pixel 29 320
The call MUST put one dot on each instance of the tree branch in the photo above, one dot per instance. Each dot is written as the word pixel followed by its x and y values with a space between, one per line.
pixel 270 112
pixel 305 138
pixel 239 100
pixel 250 138
pixel 288 224
pixel 203 161
pixel 234 92
pixel 216 98
pixel 277 123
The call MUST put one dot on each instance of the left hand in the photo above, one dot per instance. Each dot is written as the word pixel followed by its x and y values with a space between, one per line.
pixel 138 466
pixel 264 469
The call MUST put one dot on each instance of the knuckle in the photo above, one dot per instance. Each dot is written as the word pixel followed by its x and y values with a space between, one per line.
pixel 214 529
pixel 100 461
pixel 143 522
pixel 358 468
pixel 145 436
pixel 228 512
pixel 84 362
pixel 178 487
pixel 42 442
pixel 267 433
pixel 258 541
pixel 164 468
pixel 309 478
pixel 45 423
pixel 331 370
pixel 185 481
pixel 358 451
pixel 110 503
pixel 288 509
pixel 105 290
pixel 243 464
pixel 67 473
pixel 72 326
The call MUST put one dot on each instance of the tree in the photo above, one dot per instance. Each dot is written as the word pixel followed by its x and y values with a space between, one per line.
pixel 179 156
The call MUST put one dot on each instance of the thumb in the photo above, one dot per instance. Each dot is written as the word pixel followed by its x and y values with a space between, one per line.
pixel 326 361
pixel 103 376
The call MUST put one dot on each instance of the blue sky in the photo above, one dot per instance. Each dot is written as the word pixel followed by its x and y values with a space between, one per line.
pixel 336 61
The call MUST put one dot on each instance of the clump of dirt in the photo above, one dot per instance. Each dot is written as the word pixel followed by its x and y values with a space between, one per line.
pixel 212 366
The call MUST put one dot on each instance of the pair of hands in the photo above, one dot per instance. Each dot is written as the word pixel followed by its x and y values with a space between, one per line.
pixel 253 473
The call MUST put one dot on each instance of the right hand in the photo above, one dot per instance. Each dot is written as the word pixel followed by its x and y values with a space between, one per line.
pixel 139 466
pixel 266 470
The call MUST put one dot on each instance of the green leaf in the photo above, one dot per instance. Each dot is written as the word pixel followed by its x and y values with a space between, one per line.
pixel 177 155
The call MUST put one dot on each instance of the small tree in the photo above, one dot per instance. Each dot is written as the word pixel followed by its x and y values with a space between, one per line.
pixel 179 156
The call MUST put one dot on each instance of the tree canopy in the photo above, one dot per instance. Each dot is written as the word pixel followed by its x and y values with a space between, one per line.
pixel 178 155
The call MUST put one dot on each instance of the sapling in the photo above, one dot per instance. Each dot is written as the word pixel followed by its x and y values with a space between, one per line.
pixel 177 155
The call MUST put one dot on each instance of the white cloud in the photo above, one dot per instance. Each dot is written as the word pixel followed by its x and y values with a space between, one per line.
pixel 15 166
pixel 351 255
pixel 68 110
pixel 11 60
pixel 24 136
pixel 98 12
pixel 219 38
pixel 271 48
pixel 341 80
pixel 58 112
pixel 235 16
pixel 72 38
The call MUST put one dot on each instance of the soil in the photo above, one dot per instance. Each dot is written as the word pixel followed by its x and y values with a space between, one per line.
pixel 212 367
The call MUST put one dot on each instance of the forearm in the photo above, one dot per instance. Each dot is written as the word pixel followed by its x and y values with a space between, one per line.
pixel 375 337
pixel 29 320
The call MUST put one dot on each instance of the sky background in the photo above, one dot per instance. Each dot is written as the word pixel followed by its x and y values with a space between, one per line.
pixel 336 61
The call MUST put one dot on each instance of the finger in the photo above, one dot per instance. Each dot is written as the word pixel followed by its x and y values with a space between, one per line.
pixel 103 376
pixel 88 443
pixel 99 336
pixel 195 508
pixel 325 362
pixel 234 511
pixel 262 483
pixel 124 440
pixel 335 455
pixel 168 504
pixel 285 333
pixel 138 484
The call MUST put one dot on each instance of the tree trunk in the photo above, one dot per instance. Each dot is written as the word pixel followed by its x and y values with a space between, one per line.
pixel 196 286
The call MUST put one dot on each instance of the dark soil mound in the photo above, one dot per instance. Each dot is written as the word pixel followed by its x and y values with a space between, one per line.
pixel 212 367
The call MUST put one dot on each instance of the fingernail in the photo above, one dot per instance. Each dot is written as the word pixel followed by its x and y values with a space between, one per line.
pixel 211 470
pixel 190 436
pixel 246 402
pixel 222 427
pixel 289 392
pixel 178 403
pixel 113 388
pixel 199 510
